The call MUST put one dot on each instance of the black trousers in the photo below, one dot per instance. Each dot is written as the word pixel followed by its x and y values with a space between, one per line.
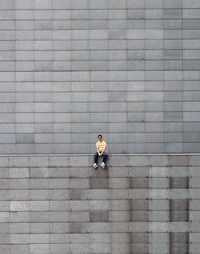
pixel 96 157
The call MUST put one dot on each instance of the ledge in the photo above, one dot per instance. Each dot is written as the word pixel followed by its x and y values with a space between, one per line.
pixel 86 160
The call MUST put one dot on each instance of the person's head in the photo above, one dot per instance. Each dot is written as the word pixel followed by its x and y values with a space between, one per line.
pixel 100 138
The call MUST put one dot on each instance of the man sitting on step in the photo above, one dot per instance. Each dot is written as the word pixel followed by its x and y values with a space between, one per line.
pixel 101 148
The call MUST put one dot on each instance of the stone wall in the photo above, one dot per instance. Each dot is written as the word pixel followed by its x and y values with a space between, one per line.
pixel 71 69
pixel 140 204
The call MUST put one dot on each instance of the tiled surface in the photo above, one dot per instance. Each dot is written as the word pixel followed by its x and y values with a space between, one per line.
pixel 139 204
pixel 70 69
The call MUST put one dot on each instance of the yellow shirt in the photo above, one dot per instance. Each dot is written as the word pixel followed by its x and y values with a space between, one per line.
pixel 100 145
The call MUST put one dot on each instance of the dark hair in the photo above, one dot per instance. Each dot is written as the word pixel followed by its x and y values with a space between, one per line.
pixel 99 136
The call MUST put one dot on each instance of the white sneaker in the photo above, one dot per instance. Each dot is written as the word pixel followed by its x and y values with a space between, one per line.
pixel 95 166
pixel 103 165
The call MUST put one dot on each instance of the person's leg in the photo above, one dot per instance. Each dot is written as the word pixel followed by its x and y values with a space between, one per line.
pixel 105 157
pixel 96 156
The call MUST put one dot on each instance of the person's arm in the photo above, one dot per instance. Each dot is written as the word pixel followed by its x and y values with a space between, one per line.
pixel 103 150
pixel 97 149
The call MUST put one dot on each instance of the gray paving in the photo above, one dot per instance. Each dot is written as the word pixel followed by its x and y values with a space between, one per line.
pixel 128 69
pixel 60 204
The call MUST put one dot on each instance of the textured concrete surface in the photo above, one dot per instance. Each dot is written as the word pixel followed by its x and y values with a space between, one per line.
pixel 141 204
pixel 70 69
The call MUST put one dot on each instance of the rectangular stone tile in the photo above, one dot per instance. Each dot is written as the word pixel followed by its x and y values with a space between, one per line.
pixel 193 4
pixel 159 227
pixel 159 160
pixel 20 217
pixel 79 205
pixel 79 216
pixel 118 216
pixel 19 172
pixel 120 205
pixel 120 227
pixel 139 183
pixel 18 228
pixel 4 217
pixel 99 183
pixel 119 161
pixel 80 161
pixel 179 182
pixel 195 182
pixel 99 205
pixel 178 160
pixel 194 205
pixel 157 247
pixel 4 173
pixel 139 237
pixel 59 183
pixel 39 248
pixel 19 239
pixel 59 216
pixel 39 184
pixel 179 215
pixel 17 161
pixel 79 183
pixel 179 247
pixel 138 194
pixel 61 205
pixel 179 172
pixel 118 194
pixel 139 216
pixel 75 194
pixel 38 194
pixel 139 161
pixel 159 205
pixel 99 216
pixel 39 217
pixel 139 227
pixel 179 204
pixel 178 226
pixel 118 183
pixel 39 238
pixel 20 248
pixel 118 248
pixel 179 237
pixel 139 205
pixel 159 238
pixel 59 227
pixel 96 227
pixel 4 184
pixel 79 172
pixel 79 238
pixel 179 193
pixel 194 237
pixel 19 206
pixel 194 194
pixel 118 172
pixel 39 172
pixel 39 205
pixel 19 195
pixel 139 171
pixel 38 161
pixel 159 216
pixel 159 194
pixel 59 172
pixel 159 183
pixel 60 238
pixel 60 248
pixel 139 248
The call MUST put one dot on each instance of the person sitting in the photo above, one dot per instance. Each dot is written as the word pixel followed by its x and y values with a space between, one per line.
pixel 101 148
